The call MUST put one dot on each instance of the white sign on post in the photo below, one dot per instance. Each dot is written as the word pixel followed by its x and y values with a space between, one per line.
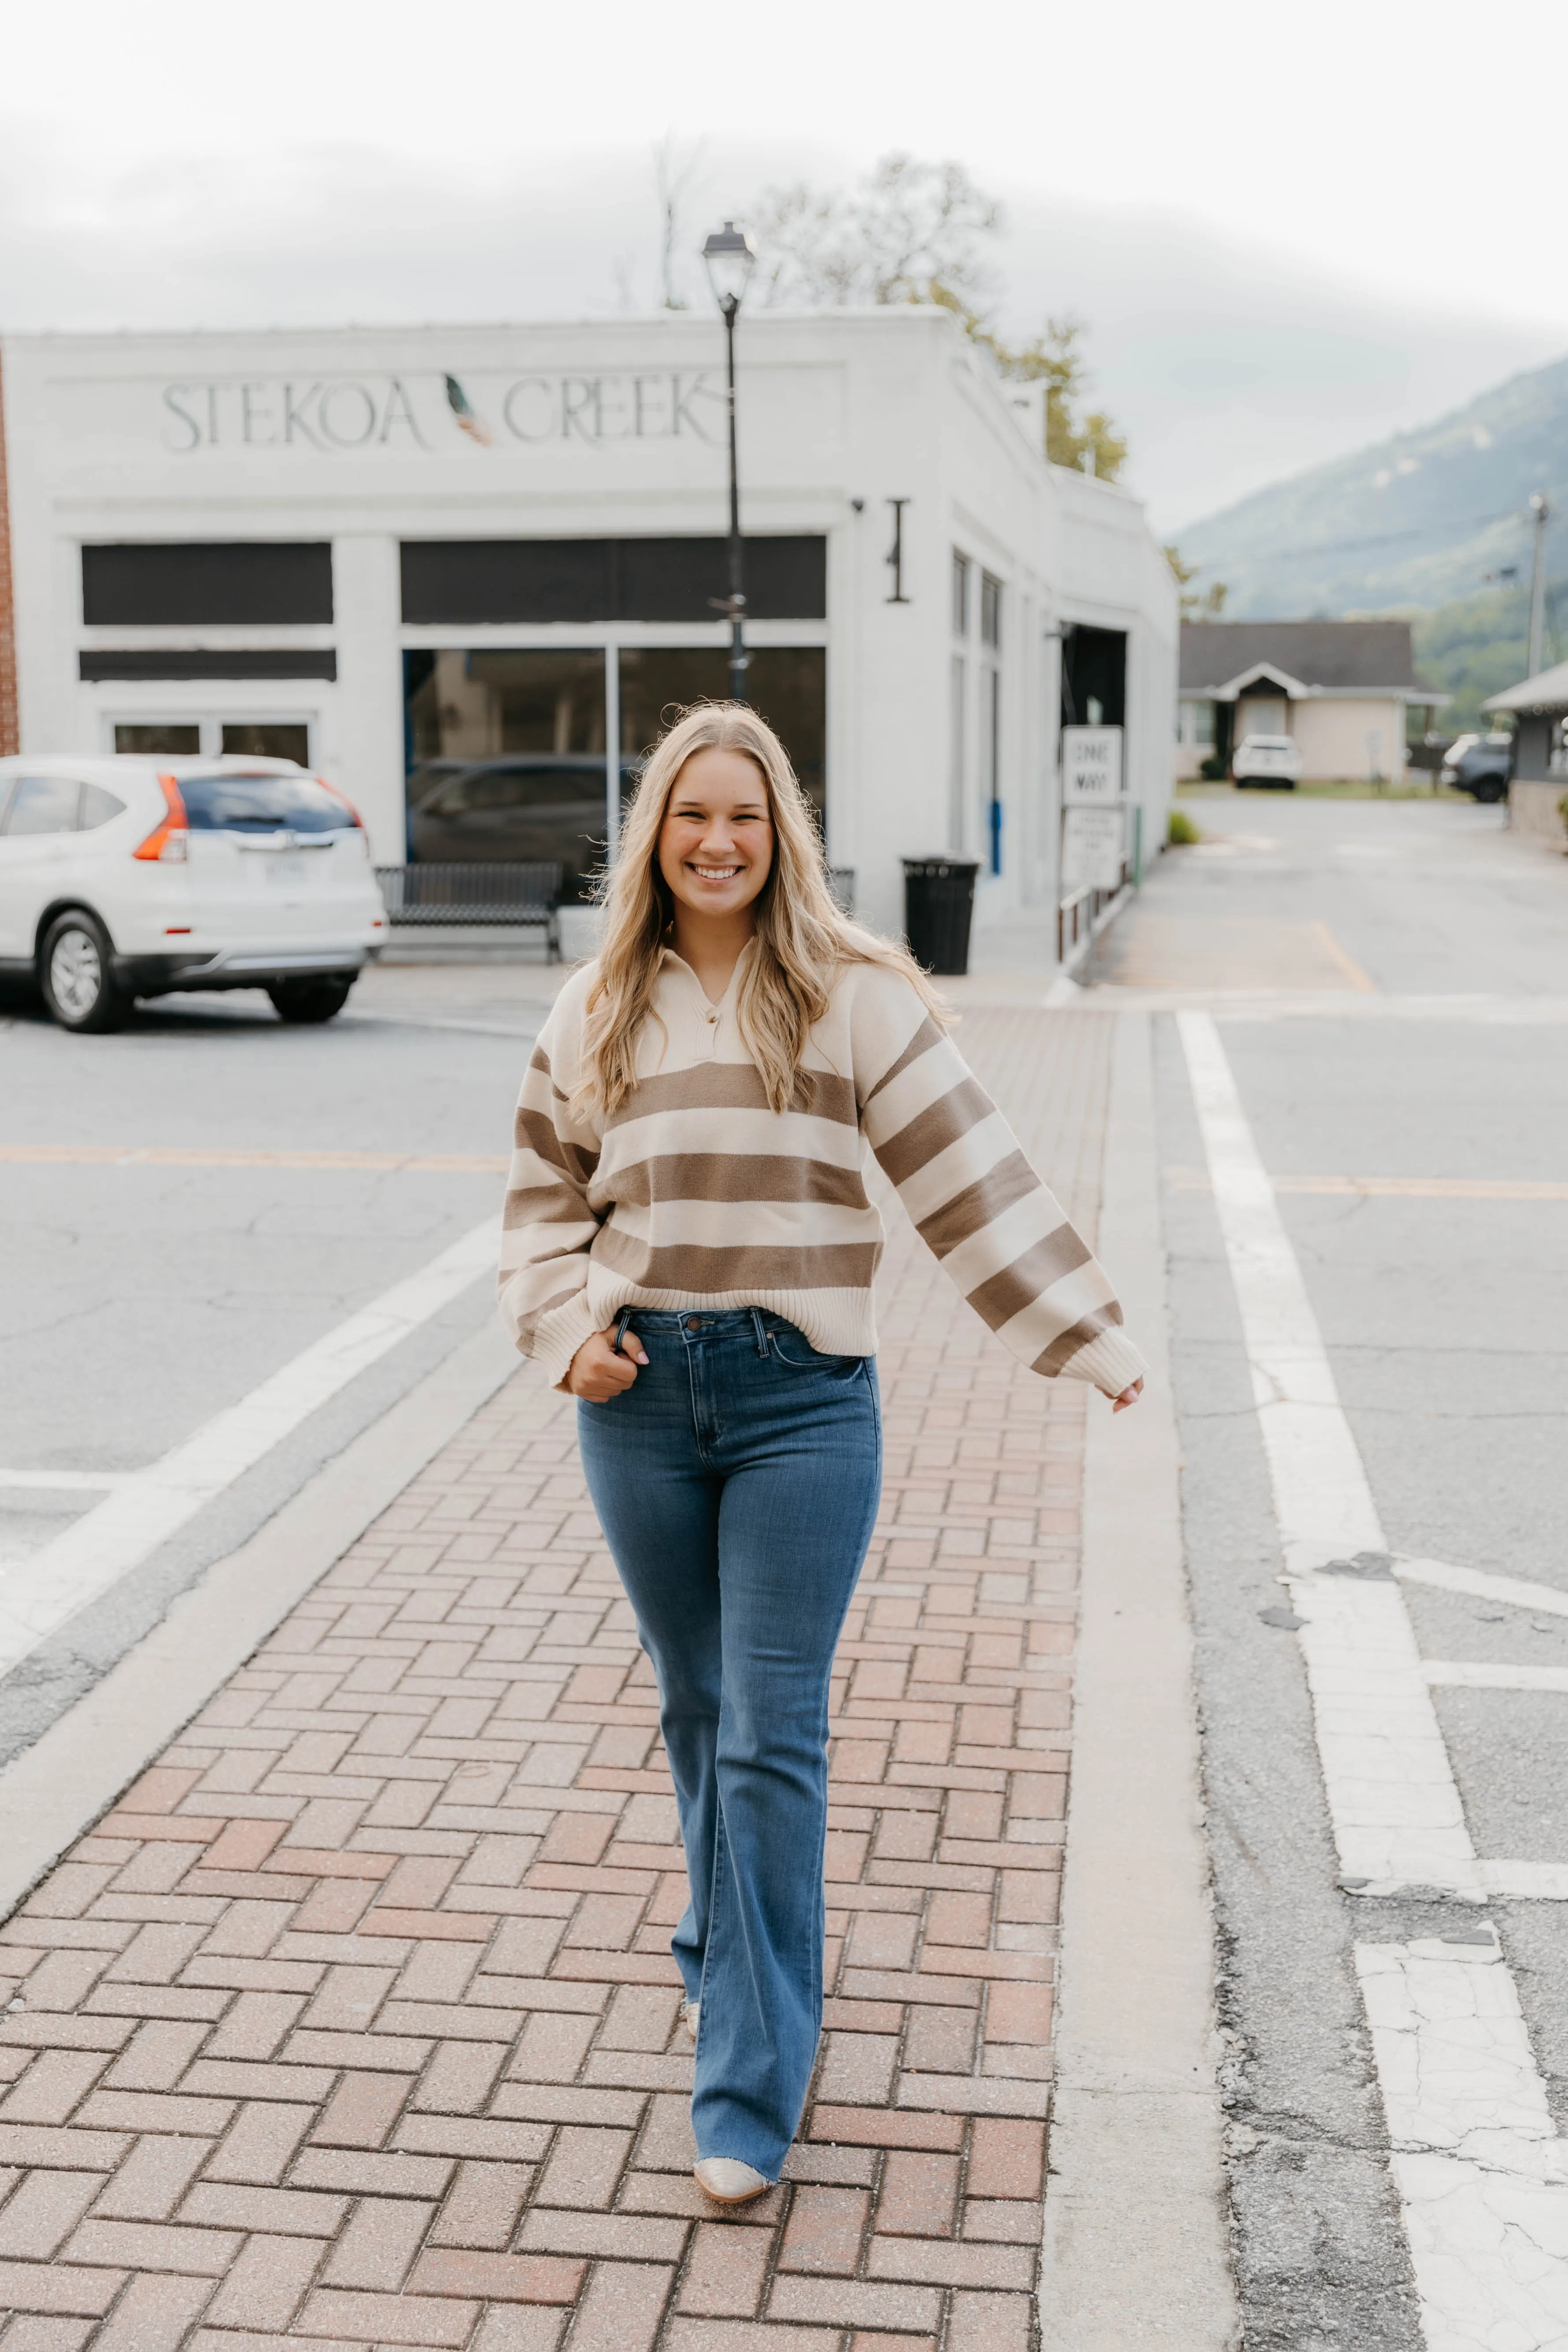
pixel 1091 764
pixel 1094 847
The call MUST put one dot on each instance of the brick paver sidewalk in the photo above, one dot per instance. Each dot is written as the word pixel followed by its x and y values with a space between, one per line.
pixel 356 2023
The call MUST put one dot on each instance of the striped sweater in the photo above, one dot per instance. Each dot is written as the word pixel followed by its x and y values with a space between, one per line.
pixel 696 1193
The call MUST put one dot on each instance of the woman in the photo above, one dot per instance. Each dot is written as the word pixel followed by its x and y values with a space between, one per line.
pixel 690 1250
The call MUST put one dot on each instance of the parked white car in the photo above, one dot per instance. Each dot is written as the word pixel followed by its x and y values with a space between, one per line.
pixel 128 876
pixel 1266 760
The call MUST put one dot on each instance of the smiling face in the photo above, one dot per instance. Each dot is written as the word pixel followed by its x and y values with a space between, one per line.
pixel 716 844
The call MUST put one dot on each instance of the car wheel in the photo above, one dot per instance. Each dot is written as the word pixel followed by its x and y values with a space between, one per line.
pixel 1494 789
pixel 301 1001
pixel 77 973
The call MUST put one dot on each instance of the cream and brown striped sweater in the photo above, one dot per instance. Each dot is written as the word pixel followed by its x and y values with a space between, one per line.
pixel 696 1193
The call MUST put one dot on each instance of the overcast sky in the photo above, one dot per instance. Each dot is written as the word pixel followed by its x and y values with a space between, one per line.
pixel 1289 230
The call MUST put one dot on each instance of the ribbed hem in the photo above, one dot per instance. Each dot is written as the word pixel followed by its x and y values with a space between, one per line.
pixel 835 1322
pixel 1110 1362
pixel 559 1336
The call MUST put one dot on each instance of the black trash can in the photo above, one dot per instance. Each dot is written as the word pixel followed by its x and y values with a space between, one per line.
pixel 939 903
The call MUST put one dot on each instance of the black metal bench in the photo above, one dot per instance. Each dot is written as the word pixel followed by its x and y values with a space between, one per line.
pixel 526 893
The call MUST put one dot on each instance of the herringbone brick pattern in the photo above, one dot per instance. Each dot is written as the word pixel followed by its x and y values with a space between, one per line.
pixel 355 2021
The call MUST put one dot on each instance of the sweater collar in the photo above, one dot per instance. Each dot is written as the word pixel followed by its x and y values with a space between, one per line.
pixel 674 964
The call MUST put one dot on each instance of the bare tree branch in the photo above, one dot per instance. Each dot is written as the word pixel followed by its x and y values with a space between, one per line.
pixel 906 227
pixel 672 180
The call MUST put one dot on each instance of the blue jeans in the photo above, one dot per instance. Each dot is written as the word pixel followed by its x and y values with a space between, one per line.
pixel 736 1481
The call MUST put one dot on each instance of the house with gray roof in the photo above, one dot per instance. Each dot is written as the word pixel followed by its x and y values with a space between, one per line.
pixel 1347 691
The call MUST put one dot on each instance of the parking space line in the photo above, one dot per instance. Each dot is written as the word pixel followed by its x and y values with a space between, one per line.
pixel 1467 1673
pixel 105 1543
pixel 1347 963
pixel 1516 1591
pixel 65 1482
pixel 1482 2180
pixel 1395 1188
pixel 180 1155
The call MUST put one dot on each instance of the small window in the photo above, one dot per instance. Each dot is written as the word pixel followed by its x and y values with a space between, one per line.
pixel 43 804
pixel 262 804
pixel 291 741
pixel 960 596
pixel 98 807
pixel 160 742
pixel 990 610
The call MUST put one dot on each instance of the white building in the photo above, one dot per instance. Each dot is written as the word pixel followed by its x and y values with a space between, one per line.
pixel 369 548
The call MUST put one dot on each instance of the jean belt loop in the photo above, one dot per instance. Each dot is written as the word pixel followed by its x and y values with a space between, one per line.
pixel 622 1319
pixel 761 1330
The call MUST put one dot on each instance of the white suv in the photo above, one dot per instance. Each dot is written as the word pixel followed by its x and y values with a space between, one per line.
pixel 130 876
pixel 1267 760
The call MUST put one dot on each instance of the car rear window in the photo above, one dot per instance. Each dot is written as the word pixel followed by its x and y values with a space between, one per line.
pixel 262 804
pixel 98 807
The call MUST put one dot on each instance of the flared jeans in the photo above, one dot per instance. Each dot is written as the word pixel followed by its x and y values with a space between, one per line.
pixel 737 1481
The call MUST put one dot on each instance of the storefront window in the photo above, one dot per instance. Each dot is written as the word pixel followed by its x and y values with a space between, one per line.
pixel 957 713
pixel 786 685
pixel 506 748
pixel 476 706
pixel 172 743
pixel 269 740
pixel 991 720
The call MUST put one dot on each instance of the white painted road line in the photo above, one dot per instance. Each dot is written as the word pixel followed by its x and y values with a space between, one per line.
pixel 1482 2175
pixel 65 1482
pixel 1482 2180
pixel 39 1595
pixel 1516 1591
pixel 1466 1673
pixel 1392 1796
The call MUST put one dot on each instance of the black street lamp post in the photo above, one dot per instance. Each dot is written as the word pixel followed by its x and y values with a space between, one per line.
pixel 730 257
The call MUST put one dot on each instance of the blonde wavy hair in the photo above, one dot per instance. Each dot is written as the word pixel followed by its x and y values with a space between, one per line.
pixel 803 938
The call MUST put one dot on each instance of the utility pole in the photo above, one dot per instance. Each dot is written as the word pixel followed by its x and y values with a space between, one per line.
pixel 1537 655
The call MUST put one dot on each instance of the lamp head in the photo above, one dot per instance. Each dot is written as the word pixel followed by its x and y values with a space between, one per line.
pixel 728 258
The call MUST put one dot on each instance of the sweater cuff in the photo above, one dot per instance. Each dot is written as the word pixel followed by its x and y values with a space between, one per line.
pixel 1110 1362
pixel 559 1336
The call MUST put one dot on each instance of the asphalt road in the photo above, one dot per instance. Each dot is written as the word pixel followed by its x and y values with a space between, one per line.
pixel 1391 986
pixel 143 1297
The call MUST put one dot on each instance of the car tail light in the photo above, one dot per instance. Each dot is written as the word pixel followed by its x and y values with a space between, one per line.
pixel 169 842
pixel 358 820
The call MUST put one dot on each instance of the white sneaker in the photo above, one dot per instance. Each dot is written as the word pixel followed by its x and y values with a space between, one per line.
pixel 728 2181
pixel 691 2012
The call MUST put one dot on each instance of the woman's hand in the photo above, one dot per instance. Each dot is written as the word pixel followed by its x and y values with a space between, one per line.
pixel 596 1374
pixel 1118 1404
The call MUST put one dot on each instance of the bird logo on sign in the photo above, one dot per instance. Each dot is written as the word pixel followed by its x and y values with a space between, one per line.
pixel 474 426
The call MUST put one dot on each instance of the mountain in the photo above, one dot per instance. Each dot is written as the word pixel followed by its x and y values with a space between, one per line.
pixel 1414 522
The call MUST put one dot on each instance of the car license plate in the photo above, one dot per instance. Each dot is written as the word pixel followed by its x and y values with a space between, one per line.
pixel 287 867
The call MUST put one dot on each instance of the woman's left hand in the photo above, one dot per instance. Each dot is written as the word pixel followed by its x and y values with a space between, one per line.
pixel 1128 1396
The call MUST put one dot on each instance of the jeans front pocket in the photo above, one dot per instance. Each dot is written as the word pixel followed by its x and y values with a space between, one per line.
pixel 789 1346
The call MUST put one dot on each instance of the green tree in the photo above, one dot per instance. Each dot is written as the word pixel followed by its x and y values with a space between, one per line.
pixel 1196 604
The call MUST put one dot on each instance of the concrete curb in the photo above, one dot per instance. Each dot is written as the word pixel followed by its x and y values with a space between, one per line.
pixel 66 1780
pixel 1136 2247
